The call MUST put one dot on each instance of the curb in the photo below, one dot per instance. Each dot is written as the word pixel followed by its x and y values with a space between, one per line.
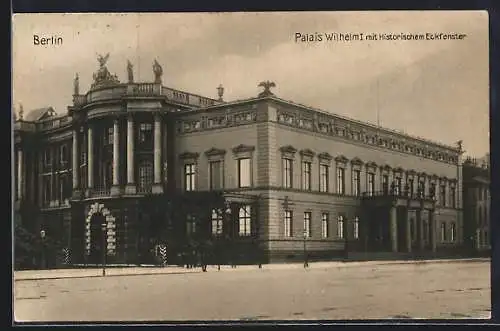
pixel 270 267
pixel 101 276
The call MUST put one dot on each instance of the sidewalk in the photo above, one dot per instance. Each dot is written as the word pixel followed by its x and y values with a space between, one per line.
pixel 153 270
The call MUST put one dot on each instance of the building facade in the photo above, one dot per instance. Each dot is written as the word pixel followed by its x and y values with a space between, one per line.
pixel 477 200
pixel 133 164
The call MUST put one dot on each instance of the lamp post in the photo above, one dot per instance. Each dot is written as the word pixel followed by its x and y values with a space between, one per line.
pixel 306 264
pixel 104 227
pixel 42 236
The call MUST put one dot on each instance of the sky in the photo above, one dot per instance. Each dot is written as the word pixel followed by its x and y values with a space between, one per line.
pixel 436 89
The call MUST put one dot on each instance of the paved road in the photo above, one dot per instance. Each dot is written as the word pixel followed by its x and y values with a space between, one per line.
pixel 363 291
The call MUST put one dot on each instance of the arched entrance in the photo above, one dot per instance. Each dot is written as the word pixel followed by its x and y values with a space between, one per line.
pixel 97 239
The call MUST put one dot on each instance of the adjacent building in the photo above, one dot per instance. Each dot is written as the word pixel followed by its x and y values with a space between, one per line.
pixel 477 199
pixel 133 164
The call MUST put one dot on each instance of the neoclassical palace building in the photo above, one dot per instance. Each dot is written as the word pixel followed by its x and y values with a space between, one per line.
pixel 133 164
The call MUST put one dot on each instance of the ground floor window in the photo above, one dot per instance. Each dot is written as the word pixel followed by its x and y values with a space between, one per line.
pixel 443 232
pixel 453 232
pixel 340 227
pixel 244 218
pixel 217 219
pixel 356 227
pixel 324 225
pixel 288 223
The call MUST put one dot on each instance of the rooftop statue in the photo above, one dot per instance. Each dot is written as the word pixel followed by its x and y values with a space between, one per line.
pixel 158 71
pixel 102 60
pixel 103 76
pixel 130 71
pixel 76 85
pixel 267 88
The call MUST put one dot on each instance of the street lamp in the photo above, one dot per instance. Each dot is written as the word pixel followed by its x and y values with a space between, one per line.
pixel 306 264
pixel 103 226
pixel 42 236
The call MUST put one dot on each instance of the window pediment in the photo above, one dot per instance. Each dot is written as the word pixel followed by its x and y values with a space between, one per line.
pixel 357 161
pixel 189 155
pixel 288 149
pixel 385 167
pixel 398 170
pixel 371 164
pixel 307 152
pixel 215 152
pixel 242 148
pixel 341 159
pixel 325 156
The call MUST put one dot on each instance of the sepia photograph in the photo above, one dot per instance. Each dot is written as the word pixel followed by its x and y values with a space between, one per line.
pixel 240 167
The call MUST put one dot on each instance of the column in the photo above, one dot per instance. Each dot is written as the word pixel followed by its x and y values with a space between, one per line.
pixel 394 229
pixel 157 187
pixel 130 188
pixel 420 227
pixel 115 189
pixel 432 232
pixel 20 174
pixel 74 160
pixel 408 232
pixel 52 176
pixel 90 160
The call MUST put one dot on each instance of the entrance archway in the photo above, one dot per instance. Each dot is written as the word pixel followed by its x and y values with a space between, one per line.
pixel 96 238
pixel 97 215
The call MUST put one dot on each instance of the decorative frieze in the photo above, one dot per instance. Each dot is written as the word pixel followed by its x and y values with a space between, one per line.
pixel 332 126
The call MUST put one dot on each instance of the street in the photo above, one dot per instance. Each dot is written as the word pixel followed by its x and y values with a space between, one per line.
pixel 324 291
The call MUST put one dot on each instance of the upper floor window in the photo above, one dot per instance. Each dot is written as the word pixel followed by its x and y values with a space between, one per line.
pixel 287 223
pixel 63 155
pixel 442 195
pixel 356 182
pixel 432 191
pixel 385 184
pixel 410 186
pixel 108 174
pixel 340 180
pixel 371 183
pixel 398 186
pixel 216 174
pixel 244 172
pixel 108 136
pixel 287 173
pixel 190 176
pixel 145 174
pixel 324 170
pixel 306 175
pixel 421 189
pixel 47 157
pixel 245 218
pixel 453 197
pixel 145 133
